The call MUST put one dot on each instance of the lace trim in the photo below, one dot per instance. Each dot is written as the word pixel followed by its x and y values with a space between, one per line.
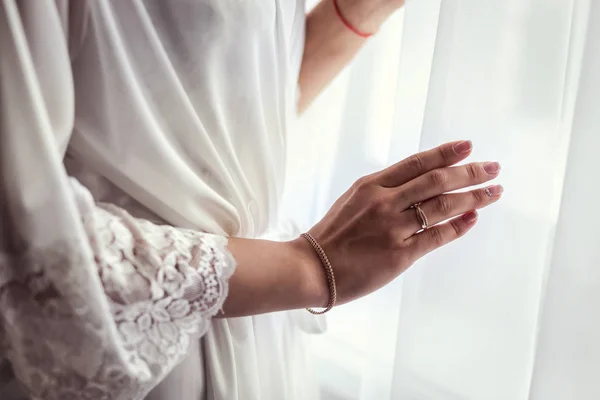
pixel 110 323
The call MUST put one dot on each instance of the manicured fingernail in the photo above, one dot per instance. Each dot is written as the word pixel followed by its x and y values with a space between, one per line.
pixel 494 191
pixel 491 167
pixel 470 217
pixel 463 147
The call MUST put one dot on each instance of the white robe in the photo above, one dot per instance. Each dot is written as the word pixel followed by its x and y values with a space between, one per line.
pixel 174 113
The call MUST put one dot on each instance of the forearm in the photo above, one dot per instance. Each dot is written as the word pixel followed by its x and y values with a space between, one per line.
pixel 274 276
pixel 330 45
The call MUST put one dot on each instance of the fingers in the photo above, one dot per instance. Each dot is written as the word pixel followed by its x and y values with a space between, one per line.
pixel 442 180
pixel 446 206
pixel 440 235
pixel 418 164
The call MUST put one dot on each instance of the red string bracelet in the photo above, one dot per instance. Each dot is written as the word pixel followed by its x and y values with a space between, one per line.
pixel 347 23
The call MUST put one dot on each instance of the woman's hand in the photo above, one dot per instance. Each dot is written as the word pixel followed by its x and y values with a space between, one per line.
pixel 371 235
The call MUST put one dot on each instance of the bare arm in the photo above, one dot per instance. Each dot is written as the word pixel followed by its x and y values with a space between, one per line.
pixel 330 45
pixel 274 276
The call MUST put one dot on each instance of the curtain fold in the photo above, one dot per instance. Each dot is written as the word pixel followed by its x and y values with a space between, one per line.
pixel 508 312
pixel 568 349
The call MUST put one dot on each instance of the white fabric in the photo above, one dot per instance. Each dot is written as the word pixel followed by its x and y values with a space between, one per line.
pixel 508 312
pixel 176 112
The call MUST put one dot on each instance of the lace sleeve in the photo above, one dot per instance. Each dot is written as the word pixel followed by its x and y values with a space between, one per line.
pixel 160 285
pixel 94 304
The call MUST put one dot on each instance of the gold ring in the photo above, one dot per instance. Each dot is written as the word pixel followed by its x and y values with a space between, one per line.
pixel 421 215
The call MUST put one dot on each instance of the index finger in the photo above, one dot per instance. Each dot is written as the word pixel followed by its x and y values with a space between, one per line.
pixel 416 165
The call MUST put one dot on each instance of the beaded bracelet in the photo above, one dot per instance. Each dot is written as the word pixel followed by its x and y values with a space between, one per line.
pixel 328 270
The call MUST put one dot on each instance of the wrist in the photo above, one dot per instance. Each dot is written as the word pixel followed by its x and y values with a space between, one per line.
pixel 368 15
pixel 313 279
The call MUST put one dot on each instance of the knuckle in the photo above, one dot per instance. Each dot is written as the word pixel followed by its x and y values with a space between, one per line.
pixel 362 183
pixel 436 237
pixel 456 228
pixel 415 163
pixel 401 197
pixel 473 171
pixel 380 206
pixel 439 178
pixel 443 205
pixel 444 153
pixel 383 205
pixel 478 197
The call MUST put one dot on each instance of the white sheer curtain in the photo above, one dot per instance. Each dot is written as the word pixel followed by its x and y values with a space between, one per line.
pixel 512 311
